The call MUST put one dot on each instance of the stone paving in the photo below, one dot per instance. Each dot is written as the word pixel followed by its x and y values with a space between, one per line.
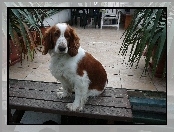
pixel 104 44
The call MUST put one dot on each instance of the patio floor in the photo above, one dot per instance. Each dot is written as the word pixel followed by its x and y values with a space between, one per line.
pixel 104 44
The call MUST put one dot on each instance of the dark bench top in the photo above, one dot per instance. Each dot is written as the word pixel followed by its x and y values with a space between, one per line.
pixel 112 104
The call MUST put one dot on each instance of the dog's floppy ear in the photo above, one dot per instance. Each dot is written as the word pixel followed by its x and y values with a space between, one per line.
pixel 47 41
pixel 73 43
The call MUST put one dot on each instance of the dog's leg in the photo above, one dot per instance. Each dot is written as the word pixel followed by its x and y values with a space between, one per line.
pixel 66 89
pixel 81 92
pixel 80 98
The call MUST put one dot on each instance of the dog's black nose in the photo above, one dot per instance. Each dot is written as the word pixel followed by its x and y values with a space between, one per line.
pixel 62 48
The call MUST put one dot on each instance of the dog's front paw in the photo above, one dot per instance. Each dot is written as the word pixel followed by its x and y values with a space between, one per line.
pixel 62 95
pixel 74 107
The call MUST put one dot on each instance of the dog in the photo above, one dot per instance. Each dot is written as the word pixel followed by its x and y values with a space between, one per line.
pixel 75 68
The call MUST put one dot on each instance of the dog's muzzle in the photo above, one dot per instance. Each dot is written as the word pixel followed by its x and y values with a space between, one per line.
pixel 62 48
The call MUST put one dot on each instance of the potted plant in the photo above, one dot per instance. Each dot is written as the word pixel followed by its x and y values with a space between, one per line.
pixel 21 39
pixel 25 31
pixel 147 35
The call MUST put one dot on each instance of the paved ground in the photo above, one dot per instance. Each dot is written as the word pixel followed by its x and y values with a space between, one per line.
pixel 103 44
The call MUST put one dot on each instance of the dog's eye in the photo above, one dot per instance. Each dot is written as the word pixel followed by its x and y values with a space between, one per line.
pixel 67 36
pixel 56 34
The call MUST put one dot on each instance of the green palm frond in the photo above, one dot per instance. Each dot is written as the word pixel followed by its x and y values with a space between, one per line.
pixel 147 28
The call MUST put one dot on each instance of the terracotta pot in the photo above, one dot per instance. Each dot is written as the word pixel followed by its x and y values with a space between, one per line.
pixel 14 53
pixel 160 66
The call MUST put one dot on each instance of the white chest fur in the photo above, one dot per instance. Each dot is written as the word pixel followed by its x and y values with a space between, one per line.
pixel 62 65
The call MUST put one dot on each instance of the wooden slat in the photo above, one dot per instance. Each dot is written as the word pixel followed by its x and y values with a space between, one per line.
pixel 51 96
pixel 35 85
pixel 56 87
pixel 114 92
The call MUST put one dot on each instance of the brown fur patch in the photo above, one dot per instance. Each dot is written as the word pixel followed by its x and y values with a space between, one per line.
pixel 95 71
pixel 73 42
pixel 49 39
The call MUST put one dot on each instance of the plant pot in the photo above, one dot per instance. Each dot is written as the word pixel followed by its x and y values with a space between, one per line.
pixel 161 65
pixel 14 54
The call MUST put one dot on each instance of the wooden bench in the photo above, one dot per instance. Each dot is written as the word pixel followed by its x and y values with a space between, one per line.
pixel 112 105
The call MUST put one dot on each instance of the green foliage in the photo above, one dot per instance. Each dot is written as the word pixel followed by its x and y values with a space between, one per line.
pixel 148 27
pixel 22 21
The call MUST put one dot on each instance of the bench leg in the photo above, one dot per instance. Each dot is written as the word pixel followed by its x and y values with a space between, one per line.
pixel 10 116
pixel 17 116
pixel 110 122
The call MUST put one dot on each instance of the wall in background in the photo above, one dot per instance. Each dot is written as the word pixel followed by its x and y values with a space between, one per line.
pixel 62 16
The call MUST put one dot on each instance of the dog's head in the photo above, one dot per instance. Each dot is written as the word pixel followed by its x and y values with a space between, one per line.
pixel 62 39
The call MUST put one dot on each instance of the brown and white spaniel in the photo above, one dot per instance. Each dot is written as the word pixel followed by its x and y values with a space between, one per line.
pixel 76 69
